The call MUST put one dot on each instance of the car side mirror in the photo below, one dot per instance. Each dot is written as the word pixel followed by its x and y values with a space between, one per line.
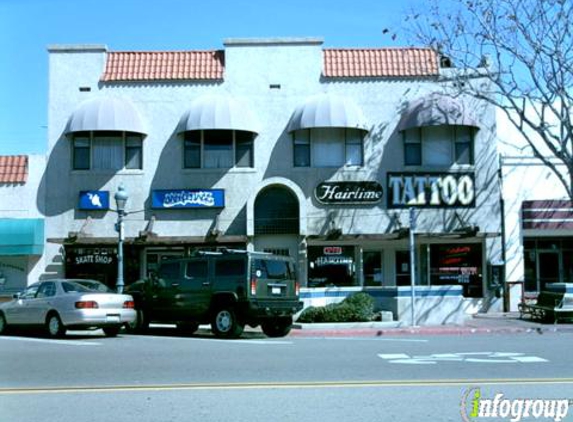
pixel 16 295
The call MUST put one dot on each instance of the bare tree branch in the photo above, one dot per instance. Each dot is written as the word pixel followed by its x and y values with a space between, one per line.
pixel 529 71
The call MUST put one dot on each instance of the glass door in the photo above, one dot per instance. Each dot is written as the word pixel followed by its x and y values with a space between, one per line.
pixel 372 265
pixel 548 268
pixel 403 268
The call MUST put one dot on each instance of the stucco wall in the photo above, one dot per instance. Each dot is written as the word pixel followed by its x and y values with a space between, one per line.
pixel 250 70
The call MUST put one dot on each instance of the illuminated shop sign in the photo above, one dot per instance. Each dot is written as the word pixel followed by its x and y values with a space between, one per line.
pixel 348 193
pixel 437 190
pixel 188 198
pixel 94 200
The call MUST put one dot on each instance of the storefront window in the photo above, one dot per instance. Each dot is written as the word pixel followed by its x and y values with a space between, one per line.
pixel 458 264
pixel 330 266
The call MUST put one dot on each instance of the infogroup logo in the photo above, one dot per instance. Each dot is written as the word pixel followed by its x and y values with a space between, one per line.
pixel 475 407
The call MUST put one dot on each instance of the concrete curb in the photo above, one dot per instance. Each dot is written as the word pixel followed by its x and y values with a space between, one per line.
pixel 355 330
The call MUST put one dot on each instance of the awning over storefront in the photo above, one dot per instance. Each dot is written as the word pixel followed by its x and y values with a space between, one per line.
pixel 437 110
pixel 327 111
pixel 106 114
pixel 218 112
pixel 21 236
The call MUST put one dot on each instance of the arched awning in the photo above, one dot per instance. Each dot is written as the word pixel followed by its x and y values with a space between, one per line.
pixel 437 110
pixel 218 112
pixel 327 111
pixel 106 114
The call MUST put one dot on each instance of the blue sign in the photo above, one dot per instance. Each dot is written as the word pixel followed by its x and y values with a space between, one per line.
pixel 188 198
pixel 94 200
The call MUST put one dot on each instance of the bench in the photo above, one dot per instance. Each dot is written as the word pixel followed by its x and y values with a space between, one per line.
pixel 550 307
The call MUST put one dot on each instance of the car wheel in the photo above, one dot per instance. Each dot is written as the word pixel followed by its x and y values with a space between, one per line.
pixel 140 325
pixel 279 327
pixel 111 330
pixel 187 327
pixel 225 323
pixel 54 326
pixel 3 324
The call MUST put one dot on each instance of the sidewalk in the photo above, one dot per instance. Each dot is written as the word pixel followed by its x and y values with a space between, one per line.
pixel 501 323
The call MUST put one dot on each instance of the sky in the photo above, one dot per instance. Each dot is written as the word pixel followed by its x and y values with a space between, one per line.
pixel 27 27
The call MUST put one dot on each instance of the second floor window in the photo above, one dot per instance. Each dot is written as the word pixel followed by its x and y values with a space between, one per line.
pixel 328 147
pixel 107 151
pixel 218 149
pixel 440 146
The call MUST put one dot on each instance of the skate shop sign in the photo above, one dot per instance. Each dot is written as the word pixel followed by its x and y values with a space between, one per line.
pixel 431 190
pixel 362 193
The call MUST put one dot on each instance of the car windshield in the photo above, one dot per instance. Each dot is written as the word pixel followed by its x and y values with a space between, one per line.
pixel 94 285
pixel 71 287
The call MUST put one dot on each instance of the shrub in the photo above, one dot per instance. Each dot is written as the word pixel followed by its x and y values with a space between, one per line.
pixel 358 307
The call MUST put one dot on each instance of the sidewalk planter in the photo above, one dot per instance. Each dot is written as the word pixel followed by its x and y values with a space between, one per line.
pixel 435 305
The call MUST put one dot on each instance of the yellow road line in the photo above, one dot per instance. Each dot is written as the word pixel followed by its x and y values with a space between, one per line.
pixel 282 385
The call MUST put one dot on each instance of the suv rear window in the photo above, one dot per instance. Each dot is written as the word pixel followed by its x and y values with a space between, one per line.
pixel 273 269
pixel 230 267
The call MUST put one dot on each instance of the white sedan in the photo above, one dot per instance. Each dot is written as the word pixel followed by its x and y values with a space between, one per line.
pixel 59 305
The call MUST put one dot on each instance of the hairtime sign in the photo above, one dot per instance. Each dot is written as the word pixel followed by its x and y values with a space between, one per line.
pixel 362 193
pixel 188 198
pixel 431 190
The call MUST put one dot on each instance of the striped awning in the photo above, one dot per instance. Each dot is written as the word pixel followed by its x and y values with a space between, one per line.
pixel 547 215
pixel 218 112
pixel 437 110
pixel 327 111
pixel 106 114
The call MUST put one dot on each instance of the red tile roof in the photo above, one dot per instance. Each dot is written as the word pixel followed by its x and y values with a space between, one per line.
pixel 164 65
pixel 380 62
pixel 210 65
pixel 13 168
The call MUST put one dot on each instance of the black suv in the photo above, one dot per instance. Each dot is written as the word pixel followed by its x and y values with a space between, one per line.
pixel 228 289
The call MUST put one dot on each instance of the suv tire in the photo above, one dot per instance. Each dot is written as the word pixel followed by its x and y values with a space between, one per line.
pixel 225 323
pixel 140 325
pixel 3 325
pixel 279 327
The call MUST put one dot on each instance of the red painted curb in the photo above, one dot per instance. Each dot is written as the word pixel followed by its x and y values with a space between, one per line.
pixel 373 332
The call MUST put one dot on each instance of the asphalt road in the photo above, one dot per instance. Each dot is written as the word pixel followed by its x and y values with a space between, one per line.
pixel 163 377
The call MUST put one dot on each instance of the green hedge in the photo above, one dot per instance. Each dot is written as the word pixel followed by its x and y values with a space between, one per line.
pixel 358 307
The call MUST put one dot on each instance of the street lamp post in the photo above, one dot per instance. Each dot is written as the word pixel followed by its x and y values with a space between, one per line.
pixel 413 263
pixel 120 201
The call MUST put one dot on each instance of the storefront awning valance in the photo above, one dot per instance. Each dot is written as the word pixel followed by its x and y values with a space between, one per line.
pixel 218 112
pixel 437 110
pixel 327 111
pixel 21 236
pixel 106 114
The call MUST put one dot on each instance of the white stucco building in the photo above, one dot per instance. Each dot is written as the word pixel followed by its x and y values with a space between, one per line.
pixel 278 145
pixel 538 216
pixel 21 222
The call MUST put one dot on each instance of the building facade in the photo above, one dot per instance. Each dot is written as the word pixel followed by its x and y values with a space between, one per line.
pixel 21 223
pixel 538 217
pixel 330 156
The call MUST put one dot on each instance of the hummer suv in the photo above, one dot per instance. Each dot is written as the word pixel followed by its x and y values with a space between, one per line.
pixel 227 288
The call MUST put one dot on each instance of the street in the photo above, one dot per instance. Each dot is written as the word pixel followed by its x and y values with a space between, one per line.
pixel 165 377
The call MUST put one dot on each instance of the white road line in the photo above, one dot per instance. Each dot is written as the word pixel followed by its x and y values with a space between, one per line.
pixel 529 359
pixel 394 356
pixel 62 342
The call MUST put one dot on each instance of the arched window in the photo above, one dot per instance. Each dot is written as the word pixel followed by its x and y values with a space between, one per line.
pixel 276 211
